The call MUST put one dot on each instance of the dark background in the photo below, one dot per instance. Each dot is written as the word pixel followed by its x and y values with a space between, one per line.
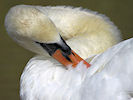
pixel 13 58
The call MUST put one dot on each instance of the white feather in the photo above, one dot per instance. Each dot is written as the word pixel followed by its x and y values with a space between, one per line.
pixel 110 77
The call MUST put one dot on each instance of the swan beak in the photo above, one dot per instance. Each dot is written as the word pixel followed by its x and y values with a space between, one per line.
pixel 63 53
pixel 72 59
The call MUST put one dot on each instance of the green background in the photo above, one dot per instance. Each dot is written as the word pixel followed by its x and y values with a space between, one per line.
pixel 13 57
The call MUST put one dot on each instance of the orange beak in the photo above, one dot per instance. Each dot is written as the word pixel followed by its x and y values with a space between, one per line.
pixel 74 59
pixel 63 53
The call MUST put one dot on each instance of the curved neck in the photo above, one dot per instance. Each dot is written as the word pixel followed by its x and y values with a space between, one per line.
pixel 91 44
pixel 86 32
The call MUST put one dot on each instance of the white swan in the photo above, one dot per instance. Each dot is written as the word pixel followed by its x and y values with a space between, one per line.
pixel 87 33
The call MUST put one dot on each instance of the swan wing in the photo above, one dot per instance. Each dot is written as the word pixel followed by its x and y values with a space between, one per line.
pixel 111 74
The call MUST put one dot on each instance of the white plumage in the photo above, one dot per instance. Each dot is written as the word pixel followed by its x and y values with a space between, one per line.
pixel 110 77
pixel 87 33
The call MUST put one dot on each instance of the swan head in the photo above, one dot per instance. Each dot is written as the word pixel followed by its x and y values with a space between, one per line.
pixel 29 22
pixel 36 32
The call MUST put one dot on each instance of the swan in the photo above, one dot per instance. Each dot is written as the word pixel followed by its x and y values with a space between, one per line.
pixel 59 32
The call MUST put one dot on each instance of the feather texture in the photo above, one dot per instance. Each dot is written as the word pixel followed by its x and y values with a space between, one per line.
pixel 110 77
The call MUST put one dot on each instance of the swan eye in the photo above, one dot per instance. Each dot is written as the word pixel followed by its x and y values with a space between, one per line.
pixel 50 48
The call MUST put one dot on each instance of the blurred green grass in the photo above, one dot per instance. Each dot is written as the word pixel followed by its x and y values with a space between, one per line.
pixel 13 58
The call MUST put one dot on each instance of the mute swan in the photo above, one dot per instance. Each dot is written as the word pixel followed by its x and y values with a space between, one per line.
pixel 87 33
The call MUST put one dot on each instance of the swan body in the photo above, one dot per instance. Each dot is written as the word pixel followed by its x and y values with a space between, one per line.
pixel 87 33
pixel 110 77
